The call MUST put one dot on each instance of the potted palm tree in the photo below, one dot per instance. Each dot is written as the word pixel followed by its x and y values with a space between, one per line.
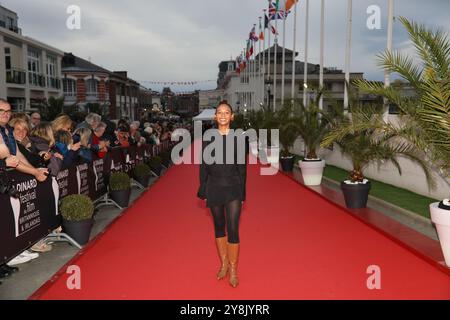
pixel 265 119
pixel 76 211
pixel 288 135
pixel 255 122
pixel 120 188
pixel 142 173
pixel 426 115
pixel 360 140
pixel 155 165
pixel 312 125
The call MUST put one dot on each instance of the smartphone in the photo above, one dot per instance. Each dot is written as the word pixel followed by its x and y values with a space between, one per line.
pixel 76 138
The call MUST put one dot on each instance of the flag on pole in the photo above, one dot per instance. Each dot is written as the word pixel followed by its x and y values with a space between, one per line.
pixel 275 12
pixel 252 36
pixel 267 24
pixel 288 4
pixel 261 31
pixel 249 49
pixel 238 64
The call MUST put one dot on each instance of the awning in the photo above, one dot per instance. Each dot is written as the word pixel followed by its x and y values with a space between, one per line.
pixel 206 115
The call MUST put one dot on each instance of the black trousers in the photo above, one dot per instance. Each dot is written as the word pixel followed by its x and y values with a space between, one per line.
pixel 228 216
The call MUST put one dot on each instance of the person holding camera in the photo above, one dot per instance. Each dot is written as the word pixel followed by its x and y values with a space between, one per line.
pixel 43 143
pixel 9 150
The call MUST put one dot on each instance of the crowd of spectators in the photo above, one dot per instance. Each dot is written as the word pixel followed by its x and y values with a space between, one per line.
pixel 43 149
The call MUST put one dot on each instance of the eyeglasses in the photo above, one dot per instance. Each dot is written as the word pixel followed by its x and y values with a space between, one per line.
pixel 36 118
pixel 3 112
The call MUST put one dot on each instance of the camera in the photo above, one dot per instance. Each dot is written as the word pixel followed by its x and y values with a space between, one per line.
pixel 76 138
pixel 6 187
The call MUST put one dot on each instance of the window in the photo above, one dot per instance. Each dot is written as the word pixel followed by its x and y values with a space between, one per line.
pixel 10 23
pixel 8 58
pixel 91 87
pixel 52 81
pixel 34 68
pixel 51 66
pixel 70 87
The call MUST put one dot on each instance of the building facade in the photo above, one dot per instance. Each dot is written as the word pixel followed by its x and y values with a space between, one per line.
pixel 255 86
pixel 86 83
pixel 210 98
pixel 186 105
pixel 30 71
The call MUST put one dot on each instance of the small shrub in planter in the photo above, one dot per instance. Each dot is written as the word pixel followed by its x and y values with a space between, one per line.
pixel 77 211
pixel 142 173
pixel 166 159
pixel 155 164
pixel 120 188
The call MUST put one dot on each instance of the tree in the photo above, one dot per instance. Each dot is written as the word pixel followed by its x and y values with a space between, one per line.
pixel 425 117
pixel 51 109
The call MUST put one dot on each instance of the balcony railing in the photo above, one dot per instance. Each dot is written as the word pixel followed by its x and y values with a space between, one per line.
pixel 54 83
pixel 16 76
pixel 92 96
pixel 36 79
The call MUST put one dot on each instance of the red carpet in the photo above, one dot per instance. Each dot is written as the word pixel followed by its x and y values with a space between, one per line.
pixel 294 245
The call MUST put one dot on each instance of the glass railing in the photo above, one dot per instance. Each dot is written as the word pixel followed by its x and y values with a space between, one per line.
pixel 36 79
pixel 16 76
pixel 54 83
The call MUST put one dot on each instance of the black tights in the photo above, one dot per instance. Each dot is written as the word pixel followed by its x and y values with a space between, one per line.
pixel 231 212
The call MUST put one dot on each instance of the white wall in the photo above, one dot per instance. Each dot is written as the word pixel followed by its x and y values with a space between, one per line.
pixel 412 177
pixel 3 92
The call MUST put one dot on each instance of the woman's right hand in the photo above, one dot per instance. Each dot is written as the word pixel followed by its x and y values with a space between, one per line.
pixel 12 162
pixel 76 146
pixel 45 155
pixel 41 174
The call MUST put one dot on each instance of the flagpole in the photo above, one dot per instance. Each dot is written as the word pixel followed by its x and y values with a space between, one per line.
pixel 268 61
pixel 348 53
pixel 387 78
pixel 259 66
pixel 387 75
pixel 293 57
pixel 322 36
pixel 283 64
pixel 305 75
pixel 245 76
pixel 264 61
pixel 275 64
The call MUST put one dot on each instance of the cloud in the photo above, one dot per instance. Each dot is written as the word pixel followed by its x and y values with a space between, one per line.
pixel 183 40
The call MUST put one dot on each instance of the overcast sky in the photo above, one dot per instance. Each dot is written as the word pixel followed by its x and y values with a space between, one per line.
pixel 184 40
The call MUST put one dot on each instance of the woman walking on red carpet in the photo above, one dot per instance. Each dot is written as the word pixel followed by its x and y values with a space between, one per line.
pixel 222 185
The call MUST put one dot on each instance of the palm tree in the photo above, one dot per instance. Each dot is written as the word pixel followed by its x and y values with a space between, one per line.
pixel 288 129
pixel 313 124
pixel 360 138
pixel 425 118
pixel 264 118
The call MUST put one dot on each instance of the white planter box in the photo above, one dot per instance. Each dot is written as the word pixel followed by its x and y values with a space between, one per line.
pixel 273 155
pixel 312 172
pixel 254 148
pixel 441 218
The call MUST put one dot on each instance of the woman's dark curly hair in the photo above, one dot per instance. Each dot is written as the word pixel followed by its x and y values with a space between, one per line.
pixel 225 103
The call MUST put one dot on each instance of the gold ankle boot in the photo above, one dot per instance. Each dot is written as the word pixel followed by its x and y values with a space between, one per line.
pixel 221 244
pixel 233 257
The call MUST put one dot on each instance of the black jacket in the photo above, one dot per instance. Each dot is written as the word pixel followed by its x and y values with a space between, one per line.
pixel 223 174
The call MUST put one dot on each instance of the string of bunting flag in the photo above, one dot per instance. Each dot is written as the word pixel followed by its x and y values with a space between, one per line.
pixel 177 83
